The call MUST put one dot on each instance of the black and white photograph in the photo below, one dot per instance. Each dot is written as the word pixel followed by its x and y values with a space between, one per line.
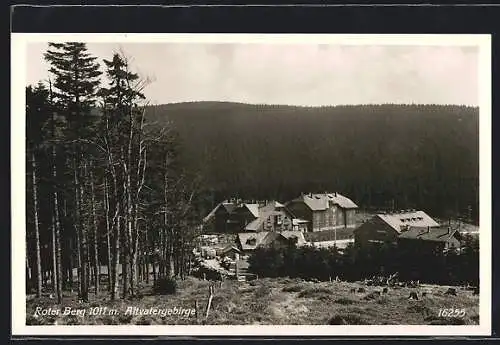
pixel 251 184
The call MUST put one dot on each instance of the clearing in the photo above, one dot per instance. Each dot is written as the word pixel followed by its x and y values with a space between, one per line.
pixel 272 301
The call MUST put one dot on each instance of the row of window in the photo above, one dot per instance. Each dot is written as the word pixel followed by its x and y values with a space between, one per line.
pixel 413 219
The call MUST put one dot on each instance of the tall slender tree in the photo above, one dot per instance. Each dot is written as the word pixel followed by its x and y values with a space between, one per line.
pixel 126 152
pixel 76 79
pixel 37 112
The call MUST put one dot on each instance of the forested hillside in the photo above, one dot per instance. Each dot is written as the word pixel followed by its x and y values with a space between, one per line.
pixel 401 156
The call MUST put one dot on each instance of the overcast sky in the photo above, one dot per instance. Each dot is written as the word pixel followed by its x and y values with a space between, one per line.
pixel 296 74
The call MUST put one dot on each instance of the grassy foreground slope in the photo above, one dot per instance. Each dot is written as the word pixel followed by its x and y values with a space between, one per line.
pixel 278 301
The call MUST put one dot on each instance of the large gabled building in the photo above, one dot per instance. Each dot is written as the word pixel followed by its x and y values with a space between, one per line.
pixel 237 216
pixel 324 211
pixel 387 227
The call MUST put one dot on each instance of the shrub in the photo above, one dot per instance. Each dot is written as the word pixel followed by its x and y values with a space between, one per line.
pixel 372 295
pixel 314 292
pixel 344 301
pixel 123 319
pixel 292 288
pixel 356 263
pixel 32 320
pixel 262 291
pixel 72 320
pixel 383 300
pixel 144 321
pixel 165 286
pixel 418 308
pixel 347 319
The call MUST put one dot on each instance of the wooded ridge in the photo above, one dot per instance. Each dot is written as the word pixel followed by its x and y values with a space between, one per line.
pixel 381 156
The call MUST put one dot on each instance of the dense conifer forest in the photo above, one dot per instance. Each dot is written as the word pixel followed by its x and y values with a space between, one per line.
pixel 381 156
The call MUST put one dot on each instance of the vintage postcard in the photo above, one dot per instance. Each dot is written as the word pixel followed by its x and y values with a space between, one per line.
pixel 306 185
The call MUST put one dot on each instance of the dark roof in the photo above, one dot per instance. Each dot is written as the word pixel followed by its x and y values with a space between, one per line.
pixel 227 249
pixel 437 234
pixel 228 207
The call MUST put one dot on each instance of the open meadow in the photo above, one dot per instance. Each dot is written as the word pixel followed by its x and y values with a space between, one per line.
pixel 271 301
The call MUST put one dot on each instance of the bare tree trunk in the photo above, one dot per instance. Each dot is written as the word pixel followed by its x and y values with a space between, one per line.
pixel 163 252
pixel 54 257
pixel 115 225
pixel 167 225
pixel 116 247
pixel 83 280
pixel 37 228
pixel 147 255
pixel 135 252
pixel 70 264
pixel 153 263
pixel 57 228
pixel 128 191
pixel 108 230
pixel 139 182
pixel 171 260
pixel 77 226
pixel 69 252
pixel 125 237
pixel 29 276
pixel 116 261
pixel 97 266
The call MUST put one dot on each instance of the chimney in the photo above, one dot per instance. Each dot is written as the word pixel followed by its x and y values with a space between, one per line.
pixel 335 193
pixel 428 229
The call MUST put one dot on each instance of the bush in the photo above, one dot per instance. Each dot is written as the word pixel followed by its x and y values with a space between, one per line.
pixel 144 321
pixel 292 288
pixel 165 286
pixel 314 292
pixel 348 319
pixel 262 291
pixel 357 263
pixel 345 301
pixel 418 308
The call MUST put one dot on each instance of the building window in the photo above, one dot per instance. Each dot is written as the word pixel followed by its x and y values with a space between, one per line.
pixel 251 241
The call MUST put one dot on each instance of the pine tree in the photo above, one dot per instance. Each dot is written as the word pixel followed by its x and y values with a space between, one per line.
pixel 76 78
